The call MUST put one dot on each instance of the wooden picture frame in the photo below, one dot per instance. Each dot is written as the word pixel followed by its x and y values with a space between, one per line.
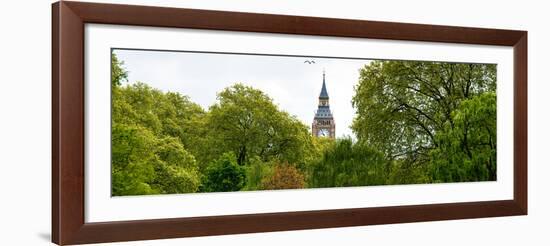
pixel 68 122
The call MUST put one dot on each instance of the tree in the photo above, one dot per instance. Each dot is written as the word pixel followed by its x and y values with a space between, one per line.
pixel 149 130
pixel 143 164
pixel 256 172
pixel 118 73
pixel 348 164
pixel 466 150
pixel 401 105
pixel 177 170
pixel 132 160
pixel 245 121
pixel 284 176
pixel 224 175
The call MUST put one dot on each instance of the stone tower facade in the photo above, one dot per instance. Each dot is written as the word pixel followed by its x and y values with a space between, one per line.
pixel 323 122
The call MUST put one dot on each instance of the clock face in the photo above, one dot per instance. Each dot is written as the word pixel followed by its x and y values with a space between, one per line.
pixel 323 133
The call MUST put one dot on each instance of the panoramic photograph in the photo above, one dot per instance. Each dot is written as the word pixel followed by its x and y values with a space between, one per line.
pixel 196 122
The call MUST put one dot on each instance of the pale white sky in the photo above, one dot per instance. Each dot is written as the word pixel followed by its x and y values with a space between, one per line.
pixel 292 84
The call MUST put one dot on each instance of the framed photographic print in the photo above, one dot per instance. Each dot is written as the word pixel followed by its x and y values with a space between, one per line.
pixel 176 122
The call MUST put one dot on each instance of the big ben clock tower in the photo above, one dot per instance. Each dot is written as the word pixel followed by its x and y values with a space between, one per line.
pixel 323 122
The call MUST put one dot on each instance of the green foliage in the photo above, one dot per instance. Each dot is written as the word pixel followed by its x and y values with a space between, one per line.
pixel 145 164
pixel 224 175
pixel 166 114
pixel 132 158
pixel 401 104
pixel 177 171
pixel 148 154
pixel 466 150
pixel 320 146
pixel 403 171
pixel 256 172
pixel 348 164
pixel 182 142
pixel 402 107
pixel 416 122
pixel 246 122
pixel 118 74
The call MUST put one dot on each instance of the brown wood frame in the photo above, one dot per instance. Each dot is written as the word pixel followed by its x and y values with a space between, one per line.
pixel 68 225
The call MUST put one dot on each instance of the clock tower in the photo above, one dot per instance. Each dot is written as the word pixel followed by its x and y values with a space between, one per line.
pixel 323 122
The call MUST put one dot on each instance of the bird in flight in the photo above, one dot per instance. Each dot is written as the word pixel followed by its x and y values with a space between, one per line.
pixel 309 61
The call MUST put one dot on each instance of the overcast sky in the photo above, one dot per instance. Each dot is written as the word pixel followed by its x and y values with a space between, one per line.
pixel 292 84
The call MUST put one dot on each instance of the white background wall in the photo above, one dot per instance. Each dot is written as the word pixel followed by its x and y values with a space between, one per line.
pixel 25 141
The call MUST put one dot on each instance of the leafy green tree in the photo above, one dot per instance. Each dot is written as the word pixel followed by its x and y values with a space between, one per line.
pixel 118 73
pixel 224 175
pixel 245 121
pixel 402 171
pixel 136 104
pixel 180 117
pixel 320 145
pixel 256 172
pixel 131 159
pixel 349 164
pixel 177 170
pixel 402 105
pixel 466 150
pixel 416 122
pixel 143 164
pixel 149 131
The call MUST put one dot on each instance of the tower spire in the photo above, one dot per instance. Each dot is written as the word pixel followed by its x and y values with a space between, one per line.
pixel 324 93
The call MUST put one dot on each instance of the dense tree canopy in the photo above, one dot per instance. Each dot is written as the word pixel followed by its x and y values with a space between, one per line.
pixel 132 160
pixel 402 106
pixel 164 143
pixel 224 175
pixel 246 122
pixel 346 163
pixel 148 137
pixel 147 161
pixel 415 122
pixel 466 150
pixel 118 73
